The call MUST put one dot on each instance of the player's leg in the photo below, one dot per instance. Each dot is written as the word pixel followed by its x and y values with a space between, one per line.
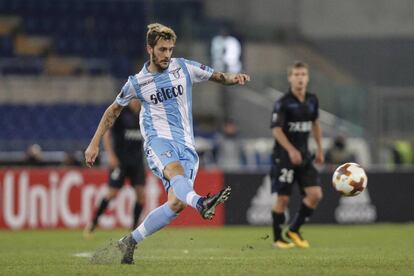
pixel 281 185
pixel 164 160
pixel 136 175
pixel 205 205
pixel 159 217
pixel 162 157
pixel 309 182
pixel 181 184
pixel 153 222
pixel 139 204
pixel 180 169
pixel 116 180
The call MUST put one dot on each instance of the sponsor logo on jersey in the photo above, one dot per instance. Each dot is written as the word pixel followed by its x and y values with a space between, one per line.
pixel 165 93
pixel 300 126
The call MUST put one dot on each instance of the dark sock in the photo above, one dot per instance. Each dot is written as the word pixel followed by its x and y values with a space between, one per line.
pixel 101 209
pixel 278 220
pixel 301 217
pixel 200 203
pixel 136 214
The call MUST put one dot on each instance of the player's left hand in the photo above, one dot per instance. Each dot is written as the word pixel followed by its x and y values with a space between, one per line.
pixel 319 158
pixel 90 155
pixel 241 79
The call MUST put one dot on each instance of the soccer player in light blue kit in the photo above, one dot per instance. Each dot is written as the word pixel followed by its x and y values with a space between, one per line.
pixel 164 88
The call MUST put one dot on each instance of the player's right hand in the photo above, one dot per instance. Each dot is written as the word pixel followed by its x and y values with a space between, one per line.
pixel 90 155
pixel 295 157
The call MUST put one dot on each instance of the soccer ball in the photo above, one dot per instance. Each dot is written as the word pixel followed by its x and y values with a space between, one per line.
pixel 349 179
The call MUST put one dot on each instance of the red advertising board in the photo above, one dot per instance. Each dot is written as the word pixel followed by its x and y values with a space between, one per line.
pixel 66 198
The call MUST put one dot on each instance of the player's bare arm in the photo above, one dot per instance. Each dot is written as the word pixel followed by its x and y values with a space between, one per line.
pixel 294 155
pixel 230 78
pixel 107 120
pixel 317 134
pixel 113 161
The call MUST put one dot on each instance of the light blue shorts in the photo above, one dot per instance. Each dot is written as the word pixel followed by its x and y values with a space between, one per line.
pixel 160 152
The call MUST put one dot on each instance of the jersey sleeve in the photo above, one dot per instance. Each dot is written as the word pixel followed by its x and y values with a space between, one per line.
pixel 198 72
pixel 127 94
pixel 278 115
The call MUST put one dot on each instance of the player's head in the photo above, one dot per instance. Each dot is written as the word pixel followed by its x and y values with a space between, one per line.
pixel 298 76
pixel 160 44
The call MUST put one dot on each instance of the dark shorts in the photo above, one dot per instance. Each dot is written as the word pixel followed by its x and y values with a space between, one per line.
pixel 135 174
pixel 284 175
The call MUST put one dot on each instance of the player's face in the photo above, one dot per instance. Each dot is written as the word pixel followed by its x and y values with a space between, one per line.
pixel 299 78
pixel 161 53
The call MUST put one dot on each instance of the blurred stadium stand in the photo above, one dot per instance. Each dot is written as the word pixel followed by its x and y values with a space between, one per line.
pixel 54 127
pixel 63 61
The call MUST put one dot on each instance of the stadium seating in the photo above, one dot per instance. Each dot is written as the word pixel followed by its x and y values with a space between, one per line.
pixel 54 127
pixel 82 28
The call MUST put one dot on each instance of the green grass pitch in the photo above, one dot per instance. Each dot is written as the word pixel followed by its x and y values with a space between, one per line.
pixel 379 249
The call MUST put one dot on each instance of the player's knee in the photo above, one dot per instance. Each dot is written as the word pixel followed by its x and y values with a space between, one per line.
pixel 176 205
pixel 281 204
pixel 173 169
pixel 316 196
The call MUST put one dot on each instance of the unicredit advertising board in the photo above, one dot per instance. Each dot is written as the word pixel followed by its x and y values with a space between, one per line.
pixel 66 198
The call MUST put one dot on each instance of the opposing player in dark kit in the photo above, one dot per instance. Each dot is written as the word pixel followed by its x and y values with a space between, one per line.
pixel 294 116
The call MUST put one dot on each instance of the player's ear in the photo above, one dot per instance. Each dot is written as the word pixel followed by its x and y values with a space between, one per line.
pixel 150 50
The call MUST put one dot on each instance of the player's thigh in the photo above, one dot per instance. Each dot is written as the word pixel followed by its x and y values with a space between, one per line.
pixel 282 177
pixel 159 153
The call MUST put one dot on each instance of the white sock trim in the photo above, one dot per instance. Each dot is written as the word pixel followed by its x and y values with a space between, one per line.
pixel 189 198
pixel 141 229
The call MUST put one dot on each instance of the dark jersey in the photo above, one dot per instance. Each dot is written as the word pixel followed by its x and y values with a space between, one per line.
pixel 295 118
pixel 127 138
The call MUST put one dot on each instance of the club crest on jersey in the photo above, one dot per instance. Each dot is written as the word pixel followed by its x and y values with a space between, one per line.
pixel 167 153
pixel 176 73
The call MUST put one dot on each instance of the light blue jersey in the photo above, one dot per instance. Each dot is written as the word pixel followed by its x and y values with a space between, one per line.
pixel 166 118
pixel 166 99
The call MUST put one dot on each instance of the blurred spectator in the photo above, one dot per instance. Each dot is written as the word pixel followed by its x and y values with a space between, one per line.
pixel 402 152
pixel 339 153
pixel 34 156
pixel 71 159
pixel 226 52
pixel 229 150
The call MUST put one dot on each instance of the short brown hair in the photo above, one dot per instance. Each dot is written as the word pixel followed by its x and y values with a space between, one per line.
pixel 156 31
pixel 295 65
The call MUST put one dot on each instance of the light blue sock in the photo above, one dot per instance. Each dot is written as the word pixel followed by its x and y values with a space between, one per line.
pixel 155 220
pixel 184 191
